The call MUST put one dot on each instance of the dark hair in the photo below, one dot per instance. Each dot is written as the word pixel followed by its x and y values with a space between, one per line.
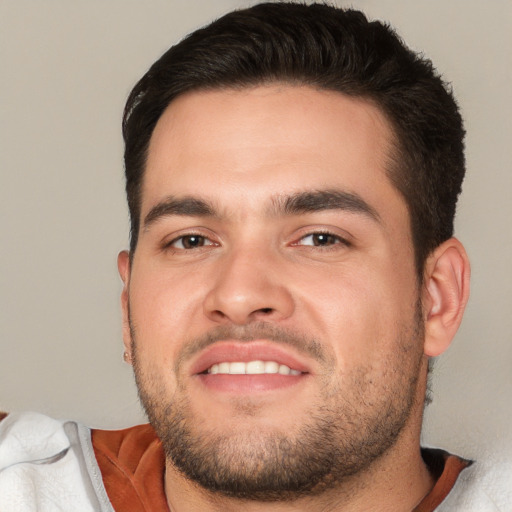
pixel 328 48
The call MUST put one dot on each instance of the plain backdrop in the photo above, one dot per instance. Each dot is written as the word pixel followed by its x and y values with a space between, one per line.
pixel 66 68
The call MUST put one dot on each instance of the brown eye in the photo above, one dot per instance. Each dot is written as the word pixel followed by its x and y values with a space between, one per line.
pixel 324 239
pixel 190 242
pixel 320 240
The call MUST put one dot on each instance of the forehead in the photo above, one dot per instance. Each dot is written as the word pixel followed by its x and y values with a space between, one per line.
pixel 242 146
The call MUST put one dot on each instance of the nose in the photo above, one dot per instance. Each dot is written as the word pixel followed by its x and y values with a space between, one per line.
pixel 248 286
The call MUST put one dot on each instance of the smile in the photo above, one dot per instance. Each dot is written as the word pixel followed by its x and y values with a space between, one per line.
pixel 251 368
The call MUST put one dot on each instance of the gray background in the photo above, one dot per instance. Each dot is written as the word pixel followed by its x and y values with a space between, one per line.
pixel 66 69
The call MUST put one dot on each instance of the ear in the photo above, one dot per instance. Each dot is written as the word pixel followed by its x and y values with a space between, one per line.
pixel 445 295
pixel 123 266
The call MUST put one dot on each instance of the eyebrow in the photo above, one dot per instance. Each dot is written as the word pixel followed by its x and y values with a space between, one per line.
pixel 320 200
pixel 185 206
pixel 295 204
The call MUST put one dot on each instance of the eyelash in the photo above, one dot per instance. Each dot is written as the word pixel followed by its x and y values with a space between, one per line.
pixel 207 242
pixel 170 245
pixel 330 246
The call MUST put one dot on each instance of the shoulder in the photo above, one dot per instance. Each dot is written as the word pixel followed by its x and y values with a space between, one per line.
pixel 48 464
pixel 484 486
pixel 30 436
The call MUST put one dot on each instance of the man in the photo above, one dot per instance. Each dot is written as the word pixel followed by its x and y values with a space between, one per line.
pixel 292 175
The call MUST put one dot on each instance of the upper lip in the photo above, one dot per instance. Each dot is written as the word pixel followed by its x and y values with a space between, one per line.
pixel 245 351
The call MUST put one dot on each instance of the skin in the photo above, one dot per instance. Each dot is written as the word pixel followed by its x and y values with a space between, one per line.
pixel 356 294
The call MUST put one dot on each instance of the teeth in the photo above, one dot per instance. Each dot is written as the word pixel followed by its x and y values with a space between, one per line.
pixel 237 368
pixel 223 367
pixel 252 368
pixel 271 367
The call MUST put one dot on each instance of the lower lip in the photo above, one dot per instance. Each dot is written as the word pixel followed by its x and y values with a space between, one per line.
pixel 249 383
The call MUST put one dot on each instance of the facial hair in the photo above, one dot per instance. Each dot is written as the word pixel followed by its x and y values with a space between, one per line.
pixel 357 419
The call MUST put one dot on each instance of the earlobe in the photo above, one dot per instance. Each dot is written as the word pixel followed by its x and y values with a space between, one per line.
pixel 123 265
pixel 445 295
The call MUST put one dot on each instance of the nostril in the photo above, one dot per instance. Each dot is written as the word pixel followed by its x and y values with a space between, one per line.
pixel 266 310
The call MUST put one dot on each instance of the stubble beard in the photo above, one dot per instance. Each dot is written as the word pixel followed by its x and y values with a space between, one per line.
pixel 356 422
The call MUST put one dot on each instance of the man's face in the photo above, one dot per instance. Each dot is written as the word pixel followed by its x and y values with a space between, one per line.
pixel 272 243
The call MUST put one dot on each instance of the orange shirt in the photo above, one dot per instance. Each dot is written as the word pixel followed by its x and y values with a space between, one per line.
pixel 132 463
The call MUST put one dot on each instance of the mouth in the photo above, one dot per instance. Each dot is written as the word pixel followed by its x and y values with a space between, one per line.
pixel 247 367
pixel 251 368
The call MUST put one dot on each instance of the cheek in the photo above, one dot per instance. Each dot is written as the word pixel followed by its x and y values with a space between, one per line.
pixel 359 313
pixel 161 308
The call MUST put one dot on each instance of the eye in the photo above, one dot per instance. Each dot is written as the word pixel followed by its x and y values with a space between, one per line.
pixel 190 242
pixel 321 240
